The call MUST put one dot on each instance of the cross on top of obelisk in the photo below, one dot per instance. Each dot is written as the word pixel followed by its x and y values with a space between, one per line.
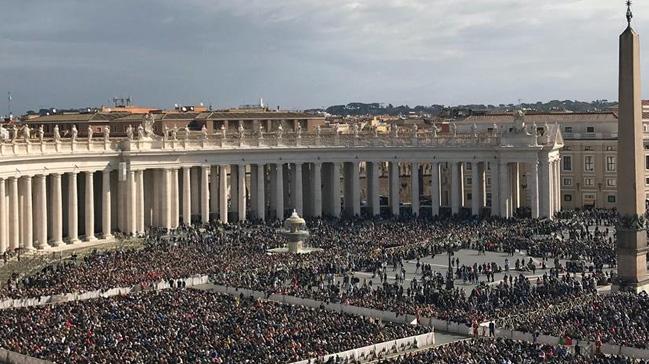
pixel 629 14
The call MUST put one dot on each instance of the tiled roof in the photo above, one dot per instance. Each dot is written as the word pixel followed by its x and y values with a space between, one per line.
pixel 258 115
pixel 550 118
pixel 75 118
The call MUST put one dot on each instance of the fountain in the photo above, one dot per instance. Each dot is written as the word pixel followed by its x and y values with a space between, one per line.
pixel 295 232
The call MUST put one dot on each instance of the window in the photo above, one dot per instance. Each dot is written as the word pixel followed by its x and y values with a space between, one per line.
pixel 468 166
pixel 567 181
pixel 611 198
pixel 646 162
pixel 610 148
pixel 567 163
pixel 568 129
pixel 469 180
pixel 646 181
pixel 588 182
pixel 610 163
pixel 590 129
pixel 589 164
pixel 469 196
pixel 588 148
pixel 567 198
pixel 611 182
pixel 489 181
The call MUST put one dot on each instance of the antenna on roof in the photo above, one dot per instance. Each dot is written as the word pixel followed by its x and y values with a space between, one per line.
pixel 9 99
pixel 629 13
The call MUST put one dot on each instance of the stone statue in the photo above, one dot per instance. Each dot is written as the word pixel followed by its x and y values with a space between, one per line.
pixel 14 134
pixel 141 134
pixel 280 131
pixel 186 130
pixel 75 132
pixel 337 129
pixel 165 132
pixel 355 130
pixel 106 133
pixel 57 134
pixel 435 130
pixel 27 133
pixel 415 129
pixel 375 130
pixel 299 131
pixel 204 131
pixel 148 125
pixel 240 130
pixel 4 134
pixel 318 131
pixel 224 133
pixel 260 131
pixel 90 133
pixel 41 133
pixel 129 132
pixel 453 129
pixel 174 133
pixel 394 130
pixel 494 129
pixel 474 130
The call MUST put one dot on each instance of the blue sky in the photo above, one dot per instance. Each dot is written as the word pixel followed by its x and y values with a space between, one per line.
pixel 310 53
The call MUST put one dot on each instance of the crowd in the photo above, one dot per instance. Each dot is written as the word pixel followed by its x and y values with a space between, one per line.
pixel 504 351
pixel 620 318
pixel 176 326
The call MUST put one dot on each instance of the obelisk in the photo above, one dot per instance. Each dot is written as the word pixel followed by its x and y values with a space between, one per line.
pixel 631 230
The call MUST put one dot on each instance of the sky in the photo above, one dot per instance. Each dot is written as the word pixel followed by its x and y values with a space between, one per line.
pixel 310 53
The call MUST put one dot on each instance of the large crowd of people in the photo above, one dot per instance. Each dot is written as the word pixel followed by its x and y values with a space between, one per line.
pixel 237 255
pixel 477 351
pixel 620 318
pixel 187 325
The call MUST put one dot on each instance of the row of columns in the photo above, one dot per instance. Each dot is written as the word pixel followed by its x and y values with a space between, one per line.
pixel 32 208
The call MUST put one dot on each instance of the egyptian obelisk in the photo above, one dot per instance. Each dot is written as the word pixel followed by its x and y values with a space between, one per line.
pixel 631 230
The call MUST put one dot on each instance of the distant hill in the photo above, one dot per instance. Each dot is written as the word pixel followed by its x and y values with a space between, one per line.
pixel 377 109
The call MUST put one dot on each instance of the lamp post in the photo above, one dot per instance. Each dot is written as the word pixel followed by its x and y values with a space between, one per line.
pixel 449 276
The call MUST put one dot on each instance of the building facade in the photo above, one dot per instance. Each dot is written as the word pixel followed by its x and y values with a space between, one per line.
pixel 64 190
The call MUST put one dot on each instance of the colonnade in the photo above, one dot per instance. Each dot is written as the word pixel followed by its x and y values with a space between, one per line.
pixel 47 210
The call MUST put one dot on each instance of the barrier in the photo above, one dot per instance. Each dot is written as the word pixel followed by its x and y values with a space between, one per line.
pixel 377 350
pixel 117 291
pixel 10 357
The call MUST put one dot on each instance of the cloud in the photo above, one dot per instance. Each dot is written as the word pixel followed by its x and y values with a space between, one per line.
pixel 303 53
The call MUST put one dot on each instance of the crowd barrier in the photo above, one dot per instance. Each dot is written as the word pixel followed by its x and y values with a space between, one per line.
pixel 376 351
pixel 10 357
pixel 119 291
pixel 587 346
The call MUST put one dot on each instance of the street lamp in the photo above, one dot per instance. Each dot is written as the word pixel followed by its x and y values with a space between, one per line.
pixel 449 275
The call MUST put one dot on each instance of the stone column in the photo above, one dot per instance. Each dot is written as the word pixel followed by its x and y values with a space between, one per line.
pixel 516 189
pixel 57 211
pixel 139 182
pixel 14 226
pixel 352 198
pixel 298 196
pixel 90 207
pixel 196 191
pixel 455 188
pixel 73 209
pixel 28 214
pixel 414 187
pixel 175 218
pixel 533 187
pixel 544 188
pixel 434 188
pixel 3 217
pixel 395 203
pixel 105 205
pixel 505 190
pixel 482 185
pixel 41 212
pixel 223 193
pixel 187 196
pixel 557 184
pixel 373 197
pixel 279 190
pixel 205 192
pixel 317 189
pixel 166 199
pixel 260 200
pixel 475 189
pixel 131 202
pixel 242 192
pixel 495 187
pixel 214 192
